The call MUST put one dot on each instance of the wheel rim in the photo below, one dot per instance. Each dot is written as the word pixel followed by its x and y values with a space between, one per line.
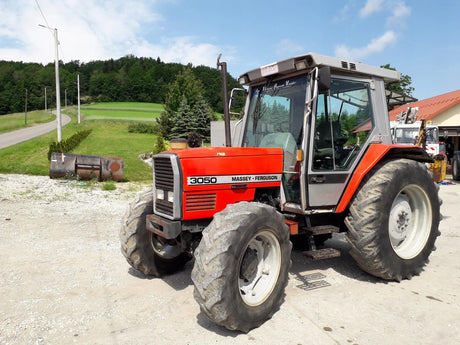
pixel 259 268
pixel 410 221
pixel 163 249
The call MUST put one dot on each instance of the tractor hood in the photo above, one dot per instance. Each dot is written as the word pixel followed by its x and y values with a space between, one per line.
pixel 230 167
pixel 203 181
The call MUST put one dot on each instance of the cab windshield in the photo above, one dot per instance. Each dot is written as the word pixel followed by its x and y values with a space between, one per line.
pixel 275 117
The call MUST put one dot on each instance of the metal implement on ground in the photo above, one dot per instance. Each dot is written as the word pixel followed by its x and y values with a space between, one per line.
pixel 86 167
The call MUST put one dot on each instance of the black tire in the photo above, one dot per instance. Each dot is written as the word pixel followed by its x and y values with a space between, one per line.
pixel 393 220
pixel 456 166
pixel 232 286
pixel 143 250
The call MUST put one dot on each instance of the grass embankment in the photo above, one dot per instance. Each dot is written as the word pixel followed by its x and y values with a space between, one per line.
pixel 16 121
pixel 108 138
pixel 131 112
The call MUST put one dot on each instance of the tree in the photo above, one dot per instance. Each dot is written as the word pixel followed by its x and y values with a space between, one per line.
pixel 203 115
pixel 186 110
pixel 185 85
pixel 126 79
pixel 182 121
pixel 404 86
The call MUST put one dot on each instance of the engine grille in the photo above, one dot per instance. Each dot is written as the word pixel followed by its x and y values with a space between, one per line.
pixel 200 202
pixel 164 180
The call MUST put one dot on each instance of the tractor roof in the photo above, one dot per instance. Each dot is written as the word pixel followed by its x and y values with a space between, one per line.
pixel 311 60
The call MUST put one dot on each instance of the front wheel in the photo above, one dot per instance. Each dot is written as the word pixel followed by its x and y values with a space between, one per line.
pixel 394 219
pixel 145 251
pixel 241 266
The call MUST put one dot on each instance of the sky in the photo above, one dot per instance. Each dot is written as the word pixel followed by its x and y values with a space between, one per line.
pixel 420 38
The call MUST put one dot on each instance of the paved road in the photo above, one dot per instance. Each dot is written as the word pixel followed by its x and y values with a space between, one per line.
pixel 20 135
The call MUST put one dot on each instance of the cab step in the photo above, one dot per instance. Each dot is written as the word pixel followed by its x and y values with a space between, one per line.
pixel 321 230
pixel 321 254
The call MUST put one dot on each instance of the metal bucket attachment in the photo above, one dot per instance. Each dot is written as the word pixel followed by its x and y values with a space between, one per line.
pixel 86 167
pixel 112 168
pixel 62 164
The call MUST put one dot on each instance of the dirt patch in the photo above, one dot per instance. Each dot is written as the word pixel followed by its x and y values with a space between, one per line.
pixel 63 280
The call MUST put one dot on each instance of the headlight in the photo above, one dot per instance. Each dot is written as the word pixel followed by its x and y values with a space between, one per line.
pixel 171 197
pixel 160 194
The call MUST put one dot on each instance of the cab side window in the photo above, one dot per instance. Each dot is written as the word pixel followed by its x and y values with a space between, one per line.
pixel 343 123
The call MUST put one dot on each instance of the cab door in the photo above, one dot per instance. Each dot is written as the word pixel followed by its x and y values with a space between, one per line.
pixel 339 133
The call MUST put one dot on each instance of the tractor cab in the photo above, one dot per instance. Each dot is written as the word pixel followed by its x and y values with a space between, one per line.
pixel 323 112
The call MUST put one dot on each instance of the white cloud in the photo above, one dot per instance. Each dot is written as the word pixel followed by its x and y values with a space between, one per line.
pixel 394 11
pixel 397 8
pixel 342 15
pixel 370 7
pixel 375 46
pixel 183 50
pixel 399 11
pixel 94 30
pixel 288 47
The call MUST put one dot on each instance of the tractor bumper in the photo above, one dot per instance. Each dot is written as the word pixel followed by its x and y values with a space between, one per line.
pixel 162 227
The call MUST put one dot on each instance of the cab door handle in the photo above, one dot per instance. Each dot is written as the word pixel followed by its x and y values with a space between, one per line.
pixel 318 179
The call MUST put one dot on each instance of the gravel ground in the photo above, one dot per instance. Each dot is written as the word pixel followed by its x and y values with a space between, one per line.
pixel 63 280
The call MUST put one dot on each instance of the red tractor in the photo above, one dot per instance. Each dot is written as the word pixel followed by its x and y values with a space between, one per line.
pixel 315 157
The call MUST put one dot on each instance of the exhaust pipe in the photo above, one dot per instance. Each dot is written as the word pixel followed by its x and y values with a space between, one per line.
pixel 223 68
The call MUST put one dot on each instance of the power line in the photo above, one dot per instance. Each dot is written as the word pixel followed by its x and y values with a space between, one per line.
pixel 49 28
pixel 44 18
pixel 56 65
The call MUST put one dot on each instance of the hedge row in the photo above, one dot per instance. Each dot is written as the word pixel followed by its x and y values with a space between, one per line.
pixel 149 128
pixel 68 144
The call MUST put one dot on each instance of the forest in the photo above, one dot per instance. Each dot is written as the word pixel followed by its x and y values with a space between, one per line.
pixel 128 79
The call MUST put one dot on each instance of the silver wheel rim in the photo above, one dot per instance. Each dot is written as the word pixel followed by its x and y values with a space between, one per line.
pixel 410 221
pixel 259 268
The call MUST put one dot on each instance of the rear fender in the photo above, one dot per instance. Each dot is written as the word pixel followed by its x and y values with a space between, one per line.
pixel 375 154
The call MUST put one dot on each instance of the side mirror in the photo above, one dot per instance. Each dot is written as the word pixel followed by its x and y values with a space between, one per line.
pixel 324 79
pixel 233 100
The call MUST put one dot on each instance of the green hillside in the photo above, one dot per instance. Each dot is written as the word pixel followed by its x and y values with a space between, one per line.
pixel 108 138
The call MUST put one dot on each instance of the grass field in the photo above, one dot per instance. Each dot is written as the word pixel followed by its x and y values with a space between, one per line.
pixel 12 122
pixel 108 138
pixel 118 111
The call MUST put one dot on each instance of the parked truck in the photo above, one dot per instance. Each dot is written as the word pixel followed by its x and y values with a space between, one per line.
pixel 407 129
pixel 315 157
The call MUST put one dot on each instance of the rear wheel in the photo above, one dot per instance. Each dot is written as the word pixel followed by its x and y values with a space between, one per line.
pixel 144 251
pixel 242 264
pixel 393 220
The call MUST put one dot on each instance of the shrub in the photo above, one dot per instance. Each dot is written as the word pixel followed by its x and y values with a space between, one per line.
pixel 194 140
pixel 159 146
pixel 68 144
pixel 148 128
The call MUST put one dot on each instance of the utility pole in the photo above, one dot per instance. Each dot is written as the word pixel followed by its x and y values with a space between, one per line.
pixel 65 97
pixel 78 97
pixel 58 93
pixel 25 106
pixel 46 105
